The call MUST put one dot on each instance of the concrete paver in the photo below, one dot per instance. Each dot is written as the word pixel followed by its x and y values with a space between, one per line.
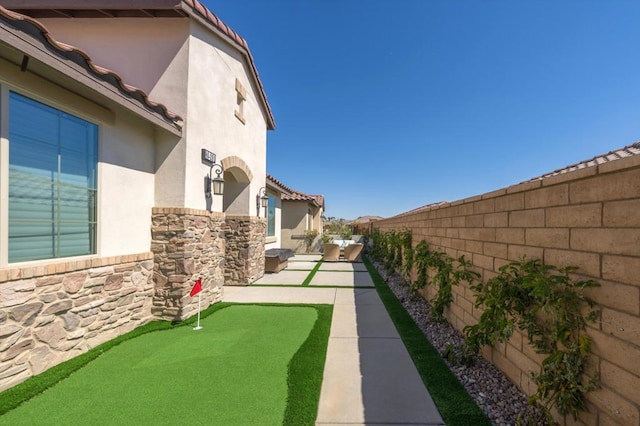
pixel 369 377
pixel 373 381
pixel 279 295
pixel 301 265
pixel 365 321
pixel 355 279
pixel 306 257
pixel 363 296
pixel 284 277
pixel 343 266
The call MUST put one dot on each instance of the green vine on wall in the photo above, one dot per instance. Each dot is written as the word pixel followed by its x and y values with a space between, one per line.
pixel 546 303
pixel 542 301
pixel 447 272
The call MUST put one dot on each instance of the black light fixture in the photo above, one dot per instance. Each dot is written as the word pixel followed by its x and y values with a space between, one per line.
pixel 262 199
pixel 217 182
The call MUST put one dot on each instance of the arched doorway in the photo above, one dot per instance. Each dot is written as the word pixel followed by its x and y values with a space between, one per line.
pixel 237 179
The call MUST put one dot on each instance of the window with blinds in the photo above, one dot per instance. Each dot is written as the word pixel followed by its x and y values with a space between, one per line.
pixel 52 182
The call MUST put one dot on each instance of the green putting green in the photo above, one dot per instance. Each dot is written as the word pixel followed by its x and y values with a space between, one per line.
pixel 235 370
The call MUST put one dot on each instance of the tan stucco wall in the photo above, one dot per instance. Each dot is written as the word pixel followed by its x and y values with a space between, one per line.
pixel 126 186
pixel 125 162
pixel 294 224
pixel 589 218
pixel 212 101
pixel 182 64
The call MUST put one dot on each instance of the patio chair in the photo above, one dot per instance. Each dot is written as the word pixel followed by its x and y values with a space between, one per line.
pixel 331 252
pixel 352 252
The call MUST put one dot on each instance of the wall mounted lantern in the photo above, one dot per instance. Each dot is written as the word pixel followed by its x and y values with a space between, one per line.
pixel 262 200
pixel 217 182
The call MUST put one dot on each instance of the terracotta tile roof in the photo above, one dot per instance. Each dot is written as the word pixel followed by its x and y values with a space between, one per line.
pixel 318 200
pixel 275 183
pixel 35 28
pixel 423 208
pixel 624 152
pixel 289 194
pixel 144 8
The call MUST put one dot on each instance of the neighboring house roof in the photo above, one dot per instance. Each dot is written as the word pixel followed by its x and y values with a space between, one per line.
pixel 289 194
pixel 617 154
pixel 30 29
pixel 318 200
pixel 422 208
pixel 279 186
pixel 149 9
pixel 366 219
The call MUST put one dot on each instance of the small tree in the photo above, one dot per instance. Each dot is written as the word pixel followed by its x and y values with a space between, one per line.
pixel 309 237
pixel 325 238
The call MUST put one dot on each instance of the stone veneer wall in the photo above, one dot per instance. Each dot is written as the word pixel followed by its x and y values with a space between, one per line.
pixel 245 237
pixel 51 313
pixel 187 245
pixel 54 312
pixel 588 218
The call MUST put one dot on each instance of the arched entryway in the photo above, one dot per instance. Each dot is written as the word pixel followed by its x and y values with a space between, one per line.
pixel 237 180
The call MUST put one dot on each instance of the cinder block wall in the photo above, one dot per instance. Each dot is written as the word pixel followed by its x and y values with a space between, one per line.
pixel 588 218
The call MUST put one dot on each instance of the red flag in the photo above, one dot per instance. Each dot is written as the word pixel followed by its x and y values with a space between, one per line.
pixel 197 288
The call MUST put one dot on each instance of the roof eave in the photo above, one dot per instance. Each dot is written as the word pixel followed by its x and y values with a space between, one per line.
pixel 196 10
pixel 31 47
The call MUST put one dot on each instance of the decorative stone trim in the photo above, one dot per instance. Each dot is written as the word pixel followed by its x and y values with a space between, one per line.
pixel 50 315
pixel 233 161
pixel 60 267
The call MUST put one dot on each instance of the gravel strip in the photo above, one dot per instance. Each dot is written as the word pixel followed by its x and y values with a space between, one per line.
pixel 496 396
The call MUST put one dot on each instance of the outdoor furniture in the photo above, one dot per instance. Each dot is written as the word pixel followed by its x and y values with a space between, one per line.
pixel 276 259
pixel 331 252
pixel 343 243
pixel 352 252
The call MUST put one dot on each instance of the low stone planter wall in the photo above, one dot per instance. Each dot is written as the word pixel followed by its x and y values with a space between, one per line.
pixel 49 314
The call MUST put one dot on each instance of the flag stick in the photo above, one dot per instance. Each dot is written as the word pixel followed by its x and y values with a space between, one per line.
pixel 199 300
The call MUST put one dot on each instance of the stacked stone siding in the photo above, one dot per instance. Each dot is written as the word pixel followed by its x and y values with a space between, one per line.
pixel 588 218
pixel 51 313
pixel 187 245
pixel 245 237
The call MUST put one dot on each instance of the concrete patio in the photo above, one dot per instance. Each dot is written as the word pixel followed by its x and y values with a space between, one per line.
pixel 369 377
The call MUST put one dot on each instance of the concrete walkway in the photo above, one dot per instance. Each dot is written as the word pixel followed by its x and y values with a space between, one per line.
pixel 369 377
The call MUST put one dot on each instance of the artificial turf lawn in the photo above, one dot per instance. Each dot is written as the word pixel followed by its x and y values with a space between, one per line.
pixel 455 405
pixel 243 367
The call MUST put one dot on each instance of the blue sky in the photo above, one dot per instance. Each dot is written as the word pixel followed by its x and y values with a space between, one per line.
pixel 383 106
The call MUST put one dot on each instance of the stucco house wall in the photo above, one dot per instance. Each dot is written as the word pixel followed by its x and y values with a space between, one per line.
pixel 194 71
pixel 294 224
pixel 157 233
pixel 54 309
